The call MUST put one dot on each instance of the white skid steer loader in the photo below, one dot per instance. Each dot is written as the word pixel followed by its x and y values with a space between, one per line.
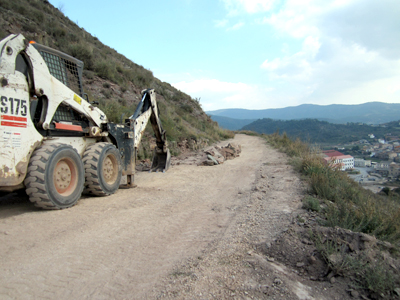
pixel 56 144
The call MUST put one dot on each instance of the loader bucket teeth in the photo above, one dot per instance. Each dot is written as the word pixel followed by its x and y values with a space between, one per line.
pixel 161 161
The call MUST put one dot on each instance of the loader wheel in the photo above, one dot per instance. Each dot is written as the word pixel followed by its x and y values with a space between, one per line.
pixel 103 169
pixel 55 177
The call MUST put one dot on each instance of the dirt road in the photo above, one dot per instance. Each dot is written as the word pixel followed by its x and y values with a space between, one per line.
pixel 173 236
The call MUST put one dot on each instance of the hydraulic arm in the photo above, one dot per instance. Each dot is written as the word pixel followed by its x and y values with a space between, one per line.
pixel 148 109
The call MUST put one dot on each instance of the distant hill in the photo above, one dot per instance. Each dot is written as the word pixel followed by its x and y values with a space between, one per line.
pixel 369 113
pixel 231 124
pixel 315 131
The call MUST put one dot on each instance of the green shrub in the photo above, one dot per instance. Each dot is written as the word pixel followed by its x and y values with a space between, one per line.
pixel 122 101
pixel 377 278
pixel 370 274
pixel 124 88
pixel 58 32
pixel 186 108
pixel 311 203
pixel 6 4
pixel 143 80
pixel 38 16
pixel 104 70
pixel 107 93
pixel 88 74
pixel 336 256
pixel 20 9
pixel 30 27
pixel 285 144
pixel 82 53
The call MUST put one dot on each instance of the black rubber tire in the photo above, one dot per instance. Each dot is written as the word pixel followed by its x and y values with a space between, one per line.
pixel 103 170
pixel 55 176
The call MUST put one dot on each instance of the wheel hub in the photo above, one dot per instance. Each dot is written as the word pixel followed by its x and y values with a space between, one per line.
pixel 63 176
pixel 108 169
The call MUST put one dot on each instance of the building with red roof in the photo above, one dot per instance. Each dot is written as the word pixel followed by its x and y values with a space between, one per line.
pixel 332 153
pixel 337 159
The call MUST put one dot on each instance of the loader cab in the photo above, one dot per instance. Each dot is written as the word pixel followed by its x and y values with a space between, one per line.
pixel 68 70
pixel 64 67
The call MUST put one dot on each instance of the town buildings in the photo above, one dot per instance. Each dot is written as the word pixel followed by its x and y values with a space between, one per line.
pixel 337 159
pixel 384 152
pixel 362 163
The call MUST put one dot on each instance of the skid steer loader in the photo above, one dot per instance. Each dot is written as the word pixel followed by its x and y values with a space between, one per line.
pixel 53 141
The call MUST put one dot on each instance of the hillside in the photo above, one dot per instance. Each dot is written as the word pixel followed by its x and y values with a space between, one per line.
pixel 370 113
pixel 315 131
pixel 230 123
pixel 109 77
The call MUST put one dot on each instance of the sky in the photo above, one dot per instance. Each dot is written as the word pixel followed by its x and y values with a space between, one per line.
pixel 256 54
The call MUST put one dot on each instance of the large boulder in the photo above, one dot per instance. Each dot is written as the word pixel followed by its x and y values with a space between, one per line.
pixel 221 154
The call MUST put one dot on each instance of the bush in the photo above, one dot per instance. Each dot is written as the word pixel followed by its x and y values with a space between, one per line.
pixel 20 9
pixel 186 108
pixel 370 274
pixel 107 93
pixel 84 54
pixel 38 16
pixel 29 27
pixel 104 70
pixel 285 144
pixel 377 278
pixel 143 80
pixel 5 4
pixel 311 203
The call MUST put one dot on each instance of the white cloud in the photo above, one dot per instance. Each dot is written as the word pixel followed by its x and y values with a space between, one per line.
pixel 236 7
pixel 372 24
pixel 345 54
pixel 297 67
pixel 224 24
pixel 212 85
pixel 221 23
pixel 216 94
pixel 236 26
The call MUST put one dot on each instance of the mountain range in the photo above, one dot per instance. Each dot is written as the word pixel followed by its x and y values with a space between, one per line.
pixel 368 113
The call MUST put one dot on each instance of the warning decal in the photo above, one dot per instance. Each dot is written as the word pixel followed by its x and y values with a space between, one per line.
pixel 77 99
pixel 12 139
pixel 13 121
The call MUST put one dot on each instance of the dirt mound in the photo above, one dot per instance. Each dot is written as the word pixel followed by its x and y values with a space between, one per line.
pixel 210 156
pixel 333 256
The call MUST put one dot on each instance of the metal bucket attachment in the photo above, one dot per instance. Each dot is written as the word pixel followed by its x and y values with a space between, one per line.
pixel 161 161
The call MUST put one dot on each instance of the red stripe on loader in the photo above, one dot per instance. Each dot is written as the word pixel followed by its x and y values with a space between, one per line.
pixel 69 127
pixel 13 124
pixel 13 118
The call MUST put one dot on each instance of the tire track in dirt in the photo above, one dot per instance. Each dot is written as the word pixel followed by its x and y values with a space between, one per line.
pixel 120 246
pixel 228 268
